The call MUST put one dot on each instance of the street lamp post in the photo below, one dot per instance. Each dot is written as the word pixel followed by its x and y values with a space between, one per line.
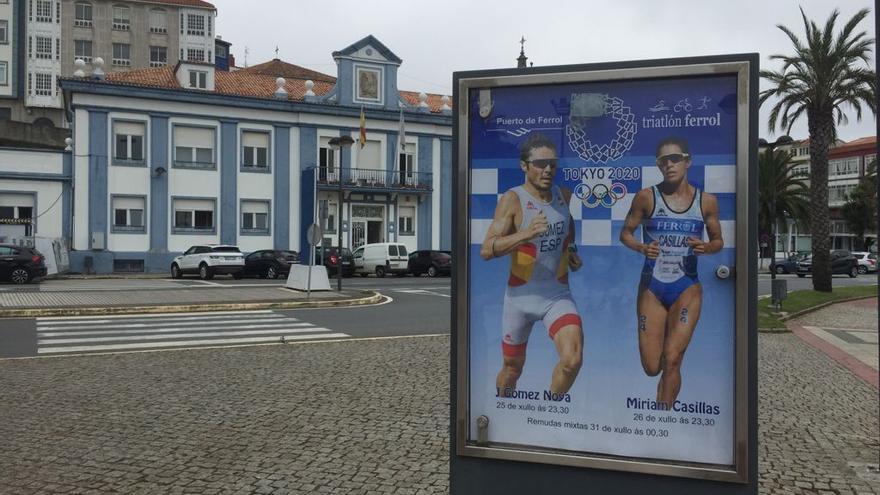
pixel 337 144
pixel 771 147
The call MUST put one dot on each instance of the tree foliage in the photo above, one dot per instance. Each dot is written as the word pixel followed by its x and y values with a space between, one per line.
pixel 828 74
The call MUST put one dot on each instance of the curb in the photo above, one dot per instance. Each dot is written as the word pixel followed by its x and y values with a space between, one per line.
pixel 823 305
pixel 841 357
pixel 807 311
pixel 370 297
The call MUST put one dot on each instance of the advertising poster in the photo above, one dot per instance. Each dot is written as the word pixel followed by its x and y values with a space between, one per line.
pixel 600 214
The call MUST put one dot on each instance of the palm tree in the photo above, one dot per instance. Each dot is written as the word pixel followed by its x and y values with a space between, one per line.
pixel 776 174
pixel 825 75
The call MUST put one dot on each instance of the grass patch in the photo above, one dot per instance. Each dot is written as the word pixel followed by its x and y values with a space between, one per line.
pixel 804 299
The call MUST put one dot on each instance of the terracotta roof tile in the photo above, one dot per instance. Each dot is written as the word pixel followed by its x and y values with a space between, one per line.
pixel 434 102
pixel 248 83
pixel 280 68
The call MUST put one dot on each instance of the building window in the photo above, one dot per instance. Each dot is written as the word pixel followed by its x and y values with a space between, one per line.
pixel 194 214
pixel 14 212
pixel 4 74
pixel 82 49
pixel 82 15
pixel 121 18
pixel 128 142
pixel 407 172
pixel 195 25
pixel 369 84
pixel 844 167
pixel 43 84
pixel 221 51
pixel 255 149
pixel 838 194
pixel 255 217
pixel 195 55
pixel 405 222
pixel 42 47
pixel 122 54
pixel 44 11
pixel 4 32
pixel 128 214
pixel 801 171
pixel 158 22
pixel 158 56
pixel 194 147
pixel 868 160
pixel 198 79
pixel 328 160
pixel 328 219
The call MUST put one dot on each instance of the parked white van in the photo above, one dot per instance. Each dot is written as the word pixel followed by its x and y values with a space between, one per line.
pixel 381 259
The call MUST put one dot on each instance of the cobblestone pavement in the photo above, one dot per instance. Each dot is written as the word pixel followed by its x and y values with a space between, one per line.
pixel 850 327
pixel 349 417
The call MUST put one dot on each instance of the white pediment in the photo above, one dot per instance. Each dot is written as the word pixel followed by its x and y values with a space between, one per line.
pixel 370 52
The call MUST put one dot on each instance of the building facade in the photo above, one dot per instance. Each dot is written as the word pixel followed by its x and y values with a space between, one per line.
pixel 124 34
pixel 10 54
pixel 174 156
pixel 35 194
pixel 847 165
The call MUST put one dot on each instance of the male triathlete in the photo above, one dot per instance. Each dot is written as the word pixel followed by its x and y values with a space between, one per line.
pixel 673 215
pixel 532 223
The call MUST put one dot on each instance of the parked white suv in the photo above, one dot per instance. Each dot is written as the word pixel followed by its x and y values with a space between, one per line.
pixel 208 260
pixel 867 261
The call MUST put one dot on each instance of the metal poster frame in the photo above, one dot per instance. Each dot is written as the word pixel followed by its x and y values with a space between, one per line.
pixel 745 68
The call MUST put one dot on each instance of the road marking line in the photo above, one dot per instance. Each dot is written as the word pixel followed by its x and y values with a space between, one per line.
pixel 276 331
pixel 193 343
pixel 154 323
pixel 149 331
pixel 422 292
pixel 156 315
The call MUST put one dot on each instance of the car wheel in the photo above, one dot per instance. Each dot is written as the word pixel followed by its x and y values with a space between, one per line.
pixel 175 271
pixel 380 271
pixel 863 269
pixel 432 271
pixel 854 272
pixel 780 270
pixel 238 275
pixel 802 275
pixel 205 272
pixel 20 276
pixel 271 273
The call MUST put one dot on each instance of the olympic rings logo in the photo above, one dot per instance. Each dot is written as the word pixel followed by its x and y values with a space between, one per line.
pixel 600 194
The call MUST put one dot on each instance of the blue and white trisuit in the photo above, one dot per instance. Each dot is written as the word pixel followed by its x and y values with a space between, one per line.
pixel 537 288
pixel 675 269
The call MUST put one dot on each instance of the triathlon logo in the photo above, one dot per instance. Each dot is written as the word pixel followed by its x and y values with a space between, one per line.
pixel 591 105
pixel 600 194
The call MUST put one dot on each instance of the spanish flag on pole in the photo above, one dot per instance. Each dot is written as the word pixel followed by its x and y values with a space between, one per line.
pixel 362 140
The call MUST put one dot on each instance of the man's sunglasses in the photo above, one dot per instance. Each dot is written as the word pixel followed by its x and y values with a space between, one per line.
pixel 544 163
pixel 672 158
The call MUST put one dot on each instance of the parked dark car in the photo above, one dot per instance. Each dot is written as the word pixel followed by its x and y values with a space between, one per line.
pixel 331 260
pixel 842 262
pixel 269 263
pixel 790 264
pixel 431 262
pixel 20 265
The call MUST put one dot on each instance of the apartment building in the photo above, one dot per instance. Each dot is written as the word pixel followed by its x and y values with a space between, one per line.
pixel 125 34
pixel 9 53
pixel 847 164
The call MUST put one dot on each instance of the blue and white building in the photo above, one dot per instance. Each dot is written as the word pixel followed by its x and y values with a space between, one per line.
pixel 167 157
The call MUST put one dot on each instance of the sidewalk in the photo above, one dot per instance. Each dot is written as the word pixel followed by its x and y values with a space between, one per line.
pixel 847 333
pixel 97 302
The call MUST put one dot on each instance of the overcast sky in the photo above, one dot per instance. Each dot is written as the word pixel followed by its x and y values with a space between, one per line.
pixel 467 35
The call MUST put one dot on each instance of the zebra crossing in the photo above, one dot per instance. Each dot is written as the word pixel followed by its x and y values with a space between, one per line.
pixel 121 333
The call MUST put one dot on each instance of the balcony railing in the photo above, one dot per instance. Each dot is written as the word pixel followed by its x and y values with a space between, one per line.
pixel 354 178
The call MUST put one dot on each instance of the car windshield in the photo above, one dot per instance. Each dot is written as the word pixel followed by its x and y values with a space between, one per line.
pixel 225 249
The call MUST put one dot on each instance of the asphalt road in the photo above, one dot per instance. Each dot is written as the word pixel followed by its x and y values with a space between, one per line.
pixel 416 306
